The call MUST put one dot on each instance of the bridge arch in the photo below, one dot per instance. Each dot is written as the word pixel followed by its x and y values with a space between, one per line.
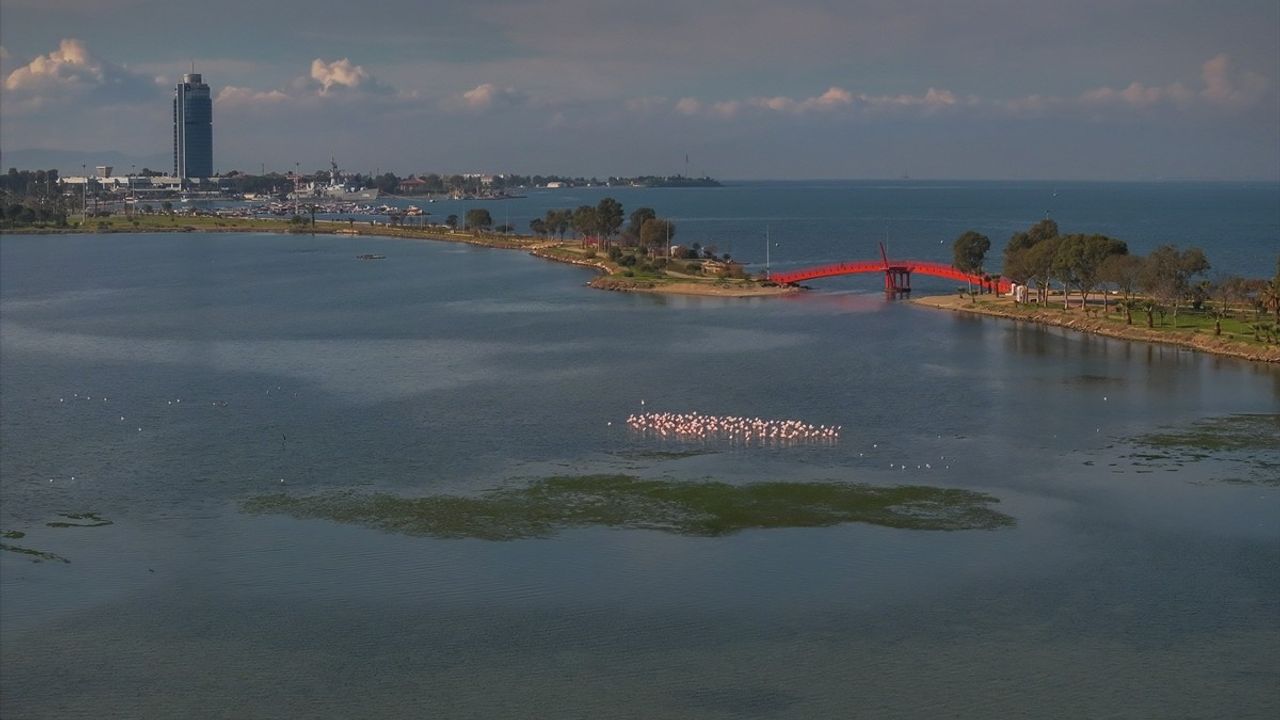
pixel 856 267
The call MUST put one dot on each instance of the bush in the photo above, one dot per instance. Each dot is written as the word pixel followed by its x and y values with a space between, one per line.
pixel 589 254
pixel 693 268
pixel 615 252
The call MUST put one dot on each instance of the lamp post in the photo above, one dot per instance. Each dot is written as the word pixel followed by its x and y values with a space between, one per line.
pixel 84 194
pixel 766 252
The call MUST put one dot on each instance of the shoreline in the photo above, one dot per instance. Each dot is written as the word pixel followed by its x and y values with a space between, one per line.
pixel 1138 332
pixel 610 278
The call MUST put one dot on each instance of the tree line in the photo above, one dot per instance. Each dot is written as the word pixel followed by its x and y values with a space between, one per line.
pixel 605 224
pixel 1167 280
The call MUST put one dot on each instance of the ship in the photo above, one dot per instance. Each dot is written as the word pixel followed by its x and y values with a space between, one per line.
pixel 336 189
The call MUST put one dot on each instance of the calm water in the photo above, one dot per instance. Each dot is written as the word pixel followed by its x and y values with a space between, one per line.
pixel 1127 589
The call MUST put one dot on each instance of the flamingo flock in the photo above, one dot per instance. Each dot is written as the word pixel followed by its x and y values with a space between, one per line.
pixel 695 426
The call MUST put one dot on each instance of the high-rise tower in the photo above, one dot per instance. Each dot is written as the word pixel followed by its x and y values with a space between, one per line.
pixel 192 128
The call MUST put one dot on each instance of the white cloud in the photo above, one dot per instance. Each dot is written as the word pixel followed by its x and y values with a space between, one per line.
pixel 1221 88
pixel 486 96
pixel 834 97
pixel 688 106
pixel 646 104
pixel 832 100
pixel 342 75
pixel 1138 95
pixel 72 71
pixel 232 96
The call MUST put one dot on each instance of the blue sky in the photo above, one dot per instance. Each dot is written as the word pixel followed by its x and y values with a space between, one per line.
pixel 1090 89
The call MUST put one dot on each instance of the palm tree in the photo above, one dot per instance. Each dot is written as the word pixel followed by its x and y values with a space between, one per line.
pixel 1269 296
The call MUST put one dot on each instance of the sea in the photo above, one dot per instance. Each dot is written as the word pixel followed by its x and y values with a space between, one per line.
pixel 153 386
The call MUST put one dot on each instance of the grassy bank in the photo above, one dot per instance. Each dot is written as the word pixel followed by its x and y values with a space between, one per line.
pixel 1193 330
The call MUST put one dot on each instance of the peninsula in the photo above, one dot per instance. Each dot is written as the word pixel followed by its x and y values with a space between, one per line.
pixel 632 268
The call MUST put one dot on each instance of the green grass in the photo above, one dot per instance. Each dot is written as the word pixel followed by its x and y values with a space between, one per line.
pixel 701 509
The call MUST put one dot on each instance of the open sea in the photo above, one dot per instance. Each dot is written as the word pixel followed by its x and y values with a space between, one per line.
pixel 152 386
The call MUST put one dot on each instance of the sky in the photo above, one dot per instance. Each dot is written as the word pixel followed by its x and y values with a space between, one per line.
pixel 746 89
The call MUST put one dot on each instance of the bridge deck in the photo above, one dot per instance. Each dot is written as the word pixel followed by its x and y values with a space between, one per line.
pixel 923 267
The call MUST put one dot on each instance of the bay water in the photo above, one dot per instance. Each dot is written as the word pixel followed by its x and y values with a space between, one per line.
pixel 161 381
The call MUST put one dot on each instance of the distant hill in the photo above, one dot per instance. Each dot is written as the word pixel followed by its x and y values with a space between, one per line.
pixel 68 162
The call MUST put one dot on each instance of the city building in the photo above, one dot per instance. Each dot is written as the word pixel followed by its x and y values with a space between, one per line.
pixel 192 128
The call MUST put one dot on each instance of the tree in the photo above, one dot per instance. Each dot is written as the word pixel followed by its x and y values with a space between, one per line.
pixel 608 218
pixel 1039 265
pixel 1015 251
pixel 1269 294
pixel 558 221
pixel 538 226
pixel 1226 291
pixel 584 222
pixel 638 219
pixel 478 219
pixel 968 252
pixel 1078 262
pixel 387 183
pixel 1168 272
pixel 656 232
pixel 1123 271
pixel 452 222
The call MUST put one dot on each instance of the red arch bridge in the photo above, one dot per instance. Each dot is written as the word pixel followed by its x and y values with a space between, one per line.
pixel 897 274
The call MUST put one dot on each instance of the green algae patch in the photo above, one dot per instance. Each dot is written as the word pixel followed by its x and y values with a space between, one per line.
pixel 1231 432
pixel 36 555
pixel 699 509
pixel 87 519
pixel 13 534
pixel 1249 442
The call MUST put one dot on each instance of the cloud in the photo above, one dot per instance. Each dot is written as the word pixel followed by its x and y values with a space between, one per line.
pixel 341 76
pixel 232 96
pixel 646 104
pixel 486 96
pixel 1222 89
pixel 1138 95
pixel 689 106
pixel 72 71
pixel 834 99
pixel 326 81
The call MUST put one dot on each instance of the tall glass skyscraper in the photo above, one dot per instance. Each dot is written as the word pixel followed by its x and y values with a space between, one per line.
pixel 192 128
